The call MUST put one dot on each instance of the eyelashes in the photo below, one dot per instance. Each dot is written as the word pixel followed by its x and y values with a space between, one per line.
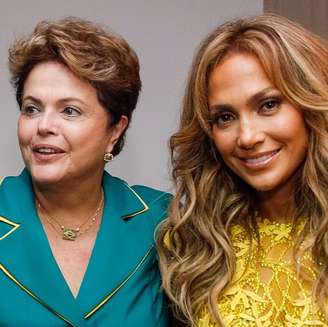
pixel 226 115
pixel 271 104
pixel 71 111
pixel 222 118
pixel 31 110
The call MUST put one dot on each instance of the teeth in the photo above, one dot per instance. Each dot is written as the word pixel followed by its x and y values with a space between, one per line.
pixel 46 150
pixel 260 159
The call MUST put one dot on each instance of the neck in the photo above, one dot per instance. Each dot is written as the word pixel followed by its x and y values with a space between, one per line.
pixel 70 204
pixel 277 205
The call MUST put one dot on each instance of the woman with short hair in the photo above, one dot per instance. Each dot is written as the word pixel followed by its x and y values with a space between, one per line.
pixel 76 243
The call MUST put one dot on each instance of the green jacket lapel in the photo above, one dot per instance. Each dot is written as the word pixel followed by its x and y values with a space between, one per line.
pixel 124 243
pixel 25 256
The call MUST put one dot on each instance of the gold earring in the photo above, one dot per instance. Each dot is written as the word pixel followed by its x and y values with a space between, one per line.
pixel 108 157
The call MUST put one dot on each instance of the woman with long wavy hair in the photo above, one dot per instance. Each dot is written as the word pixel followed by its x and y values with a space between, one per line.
pixel 246 241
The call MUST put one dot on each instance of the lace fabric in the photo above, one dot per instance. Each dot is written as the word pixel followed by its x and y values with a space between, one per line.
pixel 266 290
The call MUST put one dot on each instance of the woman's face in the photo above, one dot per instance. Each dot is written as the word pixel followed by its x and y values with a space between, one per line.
pixel 259 134
pixel 63 129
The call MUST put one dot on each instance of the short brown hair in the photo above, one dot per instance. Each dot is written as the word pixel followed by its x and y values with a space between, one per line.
pixel 103 59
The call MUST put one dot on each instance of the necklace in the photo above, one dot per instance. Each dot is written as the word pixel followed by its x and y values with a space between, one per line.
pixel 70 234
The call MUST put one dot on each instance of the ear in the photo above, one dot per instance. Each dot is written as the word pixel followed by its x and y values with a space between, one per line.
pixel 116 131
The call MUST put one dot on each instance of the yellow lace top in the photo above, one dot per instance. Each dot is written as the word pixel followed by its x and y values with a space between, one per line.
pixel 266 290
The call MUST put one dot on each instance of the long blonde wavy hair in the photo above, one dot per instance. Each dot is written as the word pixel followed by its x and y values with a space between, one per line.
pixel 196 256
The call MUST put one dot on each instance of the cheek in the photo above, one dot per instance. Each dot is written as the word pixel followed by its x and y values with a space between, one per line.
pixel 301 134
pixel 23 131
pixel 294 131
pixel 223 143
pixel 85 138
pixel 301 143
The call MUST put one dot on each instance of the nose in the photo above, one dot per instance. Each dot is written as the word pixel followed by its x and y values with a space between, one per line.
pixel 250 134
pixel 47 124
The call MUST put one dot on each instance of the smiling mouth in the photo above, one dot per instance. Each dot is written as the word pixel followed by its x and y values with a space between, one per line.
pixel 261 160
pixel 47 151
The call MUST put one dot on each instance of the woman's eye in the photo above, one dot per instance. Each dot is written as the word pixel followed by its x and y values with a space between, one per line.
pixel 222 119
pixel 30 110
pixel 270 105
pixel 71 112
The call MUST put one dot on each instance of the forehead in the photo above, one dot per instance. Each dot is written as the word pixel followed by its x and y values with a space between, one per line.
pixel 55 79
pixel 237 75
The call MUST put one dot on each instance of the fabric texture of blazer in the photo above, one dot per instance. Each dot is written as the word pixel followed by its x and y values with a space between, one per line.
pixel 121 286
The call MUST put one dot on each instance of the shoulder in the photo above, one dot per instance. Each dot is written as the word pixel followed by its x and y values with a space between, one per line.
pixel 139 200
pixel 15 181
pixel 14 187
pixel 149 195
pixel 152 196
pixel 8 180
pixel 157 201
pixel 14 192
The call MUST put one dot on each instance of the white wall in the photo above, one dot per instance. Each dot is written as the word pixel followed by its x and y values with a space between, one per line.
pixel 164 34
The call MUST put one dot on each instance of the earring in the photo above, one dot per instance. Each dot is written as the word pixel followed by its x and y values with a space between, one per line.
pixel 108 157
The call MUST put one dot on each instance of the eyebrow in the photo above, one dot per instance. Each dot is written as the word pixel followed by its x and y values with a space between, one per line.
pixel 70 99
pixel 257 97
pixel 29 97
pixel 63 100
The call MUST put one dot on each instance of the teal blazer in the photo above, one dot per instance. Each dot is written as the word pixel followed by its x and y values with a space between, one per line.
pixel 121 286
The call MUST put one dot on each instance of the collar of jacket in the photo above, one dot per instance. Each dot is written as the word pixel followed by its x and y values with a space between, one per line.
pixel 26 258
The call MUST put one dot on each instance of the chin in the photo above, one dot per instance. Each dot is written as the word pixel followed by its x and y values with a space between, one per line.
pixel 262 185
pixel 45 176
pixel 263 188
